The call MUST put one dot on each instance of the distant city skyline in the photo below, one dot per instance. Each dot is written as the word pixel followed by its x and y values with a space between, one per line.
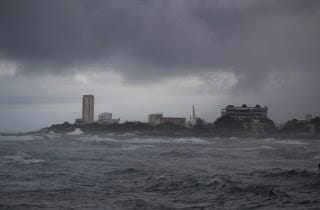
pixel 140 57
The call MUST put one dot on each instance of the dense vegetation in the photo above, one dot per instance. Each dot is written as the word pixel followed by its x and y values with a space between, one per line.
pixel 302 126
pixel 222 126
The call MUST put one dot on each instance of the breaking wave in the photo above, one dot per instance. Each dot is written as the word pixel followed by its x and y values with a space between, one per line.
pixel 102 171
pixel 187 140
pixel 96 139
pixel 76 132
pixel 292 173
pixel 246 148
pixel 19 137
pixel 20 158
pixel 141 140
pixel 136 147
pixel 316 157
pixel 290 142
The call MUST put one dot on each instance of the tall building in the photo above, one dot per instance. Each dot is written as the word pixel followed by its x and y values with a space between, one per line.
pixel 88 108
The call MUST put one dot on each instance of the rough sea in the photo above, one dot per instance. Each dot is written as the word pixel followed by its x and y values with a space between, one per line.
pixel 134 172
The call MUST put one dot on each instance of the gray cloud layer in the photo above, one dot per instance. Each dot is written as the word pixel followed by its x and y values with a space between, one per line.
pixel 164 55
pixel 152 39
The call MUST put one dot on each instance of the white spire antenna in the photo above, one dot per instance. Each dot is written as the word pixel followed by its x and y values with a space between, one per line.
pixel 194 118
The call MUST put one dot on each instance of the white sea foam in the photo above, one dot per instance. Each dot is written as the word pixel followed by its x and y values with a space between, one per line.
pixel 126 134
pixel 20 158
pixel 96 139
pixel 269 139
pixel 245 148
pixel 52 136
pixel 76 132
pixel 191 140
pixel 187 140
pixel 142 140
pixel 20 138
pixel 316 157
pixel 290 142
pixel 136 147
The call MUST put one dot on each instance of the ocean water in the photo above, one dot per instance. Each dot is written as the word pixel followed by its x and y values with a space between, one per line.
pixel 134 172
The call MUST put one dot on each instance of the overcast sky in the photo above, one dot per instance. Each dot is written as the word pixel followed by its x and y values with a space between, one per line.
pixel 142 56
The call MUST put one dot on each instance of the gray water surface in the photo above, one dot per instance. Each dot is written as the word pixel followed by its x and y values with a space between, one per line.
pixel 132 172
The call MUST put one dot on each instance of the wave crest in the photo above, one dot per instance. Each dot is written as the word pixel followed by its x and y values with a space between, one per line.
pixel 20 158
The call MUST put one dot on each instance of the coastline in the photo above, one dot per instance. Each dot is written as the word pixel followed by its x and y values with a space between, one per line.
pixel 142 129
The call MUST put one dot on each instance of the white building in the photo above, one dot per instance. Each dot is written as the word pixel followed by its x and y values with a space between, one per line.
pixel 106 118
pixel 88 108
pixel 245 112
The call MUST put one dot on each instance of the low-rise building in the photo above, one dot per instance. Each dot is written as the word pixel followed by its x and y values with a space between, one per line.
pixel 245 112
pixel 180 121
pixel 307 121
pixel 255 126
pixel 106 118
pixel 308 117
pixel 78 121
pixel 155 118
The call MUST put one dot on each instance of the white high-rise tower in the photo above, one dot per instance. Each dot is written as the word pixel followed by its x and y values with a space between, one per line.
pixel 88 108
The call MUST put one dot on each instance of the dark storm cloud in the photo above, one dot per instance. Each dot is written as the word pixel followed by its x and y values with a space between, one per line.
pixel 152 39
